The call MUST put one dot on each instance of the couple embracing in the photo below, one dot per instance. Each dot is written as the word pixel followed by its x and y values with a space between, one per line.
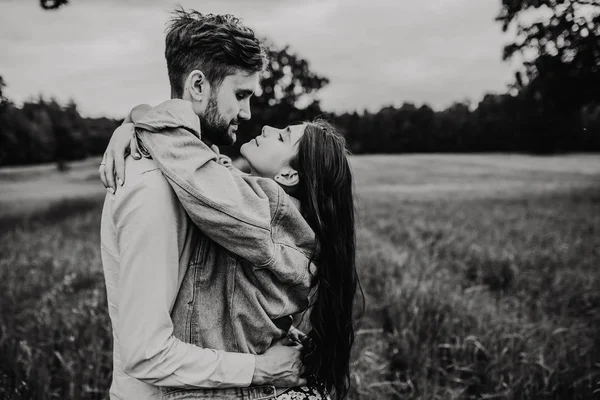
pixel 222 284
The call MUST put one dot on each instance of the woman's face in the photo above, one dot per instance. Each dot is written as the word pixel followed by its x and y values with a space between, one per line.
pixel 269 155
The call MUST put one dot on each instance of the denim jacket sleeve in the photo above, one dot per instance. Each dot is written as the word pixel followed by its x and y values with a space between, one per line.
pixel 249 216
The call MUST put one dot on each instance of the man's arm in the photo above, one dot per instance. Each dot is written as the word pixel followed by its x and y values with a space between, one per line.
pixel 147 220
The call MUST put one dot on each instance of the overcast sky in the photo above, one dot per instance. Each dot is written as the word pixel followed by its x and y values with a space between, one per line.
pixel 108 55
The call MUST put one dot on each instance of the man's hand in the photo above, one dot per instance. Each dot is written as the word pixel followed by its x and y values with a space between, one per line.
pixel 279 366
pixel 295 335
pixel 121 143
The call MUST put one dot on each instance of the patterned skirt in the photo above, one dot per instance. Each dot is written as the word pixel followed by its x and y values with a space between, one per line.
pixel 302 393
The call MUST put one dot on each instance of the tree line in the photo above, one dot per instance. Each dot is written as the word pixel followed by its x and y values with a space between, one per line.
pixel 42 131
pixel 553 105
pixel 499 123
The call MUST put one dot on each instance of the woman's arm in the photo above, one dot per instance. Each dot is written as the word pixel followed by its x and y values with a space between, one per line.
pixel 112 167
pixel 251 217
pixel 234 211
pixel 138 112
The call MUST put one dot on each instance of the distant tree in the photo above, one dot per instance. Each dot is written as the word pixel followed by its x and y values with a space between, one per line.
pixel 424 129
pixel 3 99
pixel 452 133
pixel 348 125
pixel 6 135
pixel 497 125
pixel 413 129
pixel 52 4
pixel 288 80
pixel 44 131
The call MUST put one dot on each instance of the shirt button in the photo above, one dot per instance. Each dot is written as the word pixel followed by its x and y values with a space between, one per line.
pixel 268 390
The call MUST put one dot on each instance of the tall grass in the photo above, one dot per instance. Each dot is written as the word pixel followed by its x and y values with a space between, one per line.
pixel 490 297
pixel 484 298
pixel 55 340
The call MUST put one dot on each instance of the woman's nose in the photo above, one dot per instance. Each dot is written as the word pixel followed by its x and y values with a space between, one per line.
pixel 267 130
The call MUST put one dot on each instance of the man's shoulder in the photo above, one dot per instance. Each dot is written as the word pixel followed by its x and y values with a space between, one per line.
pixel 145 172
pixel 173 113
pixel 145 176
pixel 137 168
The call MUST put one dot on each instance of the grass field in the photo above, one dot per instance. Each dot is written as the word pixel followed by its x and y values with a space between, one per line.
pixel 480 275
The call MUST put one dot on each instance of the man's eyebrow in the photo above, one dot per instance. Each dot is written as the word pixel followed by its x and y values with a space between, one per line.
pixel 288 131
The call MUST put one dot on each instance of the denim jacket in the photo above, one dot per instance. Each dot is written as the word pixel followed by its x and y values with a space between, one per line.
pixel 251 266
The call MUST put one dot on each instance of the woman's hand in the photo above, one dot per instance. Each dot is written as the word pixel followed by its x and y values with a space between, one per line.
pixel 225 161
pixel 222 158
pixel 122 143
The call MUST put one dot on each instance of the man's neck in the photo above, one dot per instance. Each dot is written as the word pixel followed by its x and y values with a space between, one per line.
pixel 204 139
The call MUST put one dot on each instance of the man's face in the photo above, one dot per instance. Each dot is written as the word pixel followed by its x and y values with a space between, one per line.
pixel 227 105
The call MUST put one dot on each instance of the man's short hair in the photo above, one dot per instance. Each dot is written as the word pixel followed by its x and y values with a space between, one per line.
pixel 217 45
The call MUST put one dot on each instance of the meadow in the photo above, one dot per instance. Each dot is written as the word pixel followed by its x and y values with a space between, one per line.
pixel 480 276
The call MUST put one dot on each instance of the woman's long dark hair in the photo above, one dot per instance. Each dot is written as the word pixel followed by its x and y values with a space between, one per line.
pixel 325 191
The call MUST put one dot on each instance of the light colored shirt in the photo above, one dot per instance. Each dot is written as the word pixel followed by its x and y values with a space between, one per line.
pixel 147 241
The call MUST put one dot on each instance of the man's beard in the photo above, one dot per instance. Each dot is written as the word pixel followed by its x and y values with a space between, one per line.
pixel 214 126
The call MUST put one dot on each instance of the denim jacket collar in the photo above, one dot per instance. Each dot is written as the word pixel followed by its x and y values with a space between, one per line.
pixel 174 113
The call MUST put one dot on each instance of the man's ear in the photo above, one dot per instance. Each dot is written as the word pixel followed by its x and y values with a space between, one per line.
pixel 287 178
pixel 197 86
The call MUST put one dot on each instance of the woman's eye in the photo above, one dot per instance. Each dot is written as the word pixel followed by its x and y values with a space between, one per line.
pixel 280 137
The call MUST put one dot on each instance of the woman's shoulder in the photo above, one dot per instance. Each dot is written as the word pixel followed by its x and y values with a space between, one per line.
pixel 265 187
pixel 277 196
pixel 289 226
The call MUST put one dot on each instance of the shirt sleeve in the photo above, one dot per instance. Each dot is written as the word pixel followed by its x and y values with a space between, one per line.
pixel 232 210
pixel 147 220
pixel 251 217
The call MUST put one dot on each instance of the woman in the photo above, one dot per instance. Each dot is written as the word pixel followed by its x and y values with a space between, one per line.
pixel 301 188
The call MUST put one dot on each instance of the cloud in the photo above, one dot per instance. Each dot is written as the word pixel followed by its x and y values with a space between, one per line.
pixel 108 55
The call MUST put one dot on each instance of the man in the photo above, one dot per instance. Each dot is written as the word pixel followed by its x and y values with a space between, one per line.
pixel 149 246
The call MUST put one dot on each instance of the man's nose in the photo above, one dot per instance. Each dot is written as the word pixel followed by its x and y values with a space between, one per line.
pixel 245 112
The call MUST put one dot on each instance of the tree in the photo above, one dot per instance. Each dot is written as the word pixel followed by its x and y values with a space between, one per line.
pixel 7 137
pixel 3 99
pixel 52 4
pixel 289 80
pixel 561 64
pixel 568 38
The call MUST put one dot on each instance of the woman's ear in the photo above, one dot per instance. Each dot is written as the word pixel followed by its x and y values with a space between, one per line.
pixel 288 178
